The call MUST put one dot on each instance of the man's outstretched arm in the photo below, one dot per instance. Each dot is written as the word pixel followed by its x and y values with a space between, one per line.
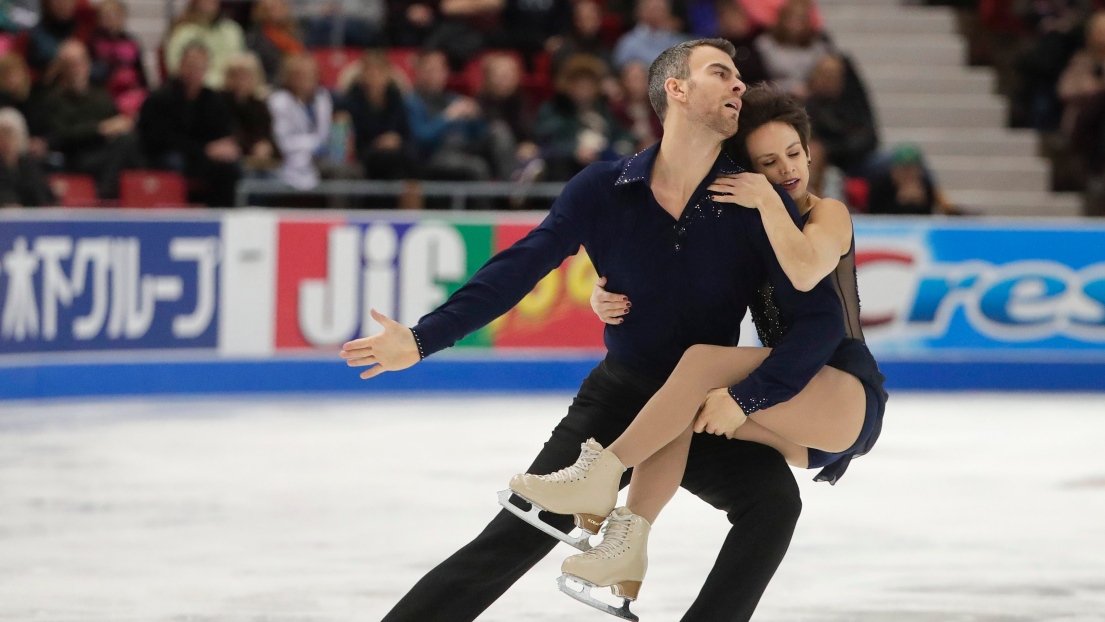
pixel 503 281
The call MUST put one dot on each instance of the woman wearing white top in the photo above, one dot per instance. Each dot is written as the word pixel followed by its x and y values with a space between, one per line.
pixel 301 113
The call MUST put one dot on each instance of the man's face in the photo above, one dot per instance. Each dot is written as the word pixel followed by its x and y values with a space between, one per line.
pixel 714 90
pixel 302 79
pixel 432 73
pixel 193 67
pixel 8 143
pixel 76 68
pixel 62 9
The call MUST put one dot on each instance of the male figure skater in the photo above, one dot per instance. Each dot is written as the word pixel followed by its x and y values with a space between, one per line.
pixel 691 266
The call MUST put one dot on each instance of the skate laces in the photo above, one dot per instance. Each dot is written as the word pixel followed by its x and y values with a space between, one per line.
pixel 615 533
pixel 586 458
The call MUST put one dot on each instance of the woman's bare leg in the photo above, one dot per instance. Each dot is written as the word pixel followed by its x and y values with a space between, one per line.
pixel 673 408
pixel 796 455
pixel 656 480
pixel 827 414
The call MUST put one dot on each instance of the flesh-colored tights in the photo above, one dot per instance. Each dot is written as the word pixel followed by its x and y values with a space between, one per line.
pixel 827 414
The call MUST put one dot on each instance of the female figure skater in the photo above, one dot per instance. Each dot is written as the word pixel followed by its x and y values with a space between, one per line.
pixel 836 417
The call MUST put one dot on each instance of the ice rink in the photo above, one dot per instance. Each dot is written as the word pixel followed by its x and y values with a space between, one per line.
pixel 971 508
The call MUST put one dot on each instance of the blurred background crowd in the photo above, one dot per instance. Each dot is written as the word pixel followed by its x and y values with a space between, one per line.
pixel 299 91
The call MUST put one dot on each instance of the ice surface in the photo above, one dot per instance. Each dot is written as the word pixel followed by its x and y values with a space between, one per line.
pixel 971 508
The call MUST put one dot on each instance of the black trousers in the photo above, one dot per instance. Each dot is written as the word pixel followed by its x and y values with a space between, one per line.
pixel 751 483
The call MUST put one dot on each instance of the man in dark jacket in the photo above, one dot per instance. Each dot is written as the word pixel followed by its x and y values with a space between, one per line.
pixel 186 127
pixel 86 127
pixel 841 120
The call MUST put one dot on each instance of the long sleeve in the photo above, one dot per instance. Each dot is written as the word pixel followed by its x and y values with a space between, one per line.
pixel 159 127
pixel 513 273
pixel 816 328
pixel 425 128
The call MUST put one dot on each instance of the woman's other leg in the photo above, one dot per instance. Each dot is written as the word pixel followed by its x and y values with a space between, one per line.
pixel 656 480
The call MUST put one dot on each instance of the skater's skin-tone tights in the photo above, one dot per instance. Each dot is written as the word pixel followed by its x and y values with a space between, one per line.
pixel 827 415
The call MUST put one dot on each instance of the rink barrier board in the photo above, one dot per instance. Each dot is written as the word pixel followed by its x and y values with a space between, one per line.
pixel 469 376
pixel 107 302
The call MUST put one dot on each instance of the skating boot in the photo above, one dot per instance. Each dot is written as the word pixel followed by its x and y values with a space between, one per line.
pixel 618 562
pixel 588 490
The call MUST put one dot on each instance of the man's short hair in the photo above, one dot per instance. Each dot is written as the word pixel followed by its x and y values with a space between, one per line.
pixel 674 62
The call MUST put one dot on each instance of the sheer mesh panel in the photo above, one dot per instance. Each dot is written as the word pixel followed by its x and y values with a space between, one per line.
pixel 771 325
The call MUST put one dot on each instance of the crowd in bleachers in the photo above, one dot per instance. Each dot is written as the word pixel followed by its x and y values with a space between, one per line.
pixel 299 91
pixel 1050 55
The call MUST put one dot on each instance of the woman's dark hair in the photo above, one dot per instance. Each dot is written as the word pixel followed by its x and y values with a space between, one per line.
pixel 764 104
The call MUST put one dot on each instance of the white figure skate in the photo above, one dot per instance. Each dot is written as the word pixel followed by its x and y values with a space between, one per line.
pixel 588 490
pixel 618 562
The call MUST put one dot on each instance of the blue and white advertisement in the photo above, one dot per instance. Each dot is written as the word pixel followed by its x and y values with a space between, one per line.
pixel 101 302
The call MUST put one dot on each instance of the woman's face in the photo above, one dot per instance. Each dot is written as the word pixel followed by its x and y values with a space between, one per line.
pixel 588 18
pixel 207 8
pixel 240 82
pixel 15 82
pixel 777 153
pixel 374 73
pixel 112 17
pixel 277 10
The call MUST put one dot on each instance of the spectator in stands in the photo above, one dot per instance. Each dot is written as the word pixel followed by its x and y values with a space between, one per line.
pixel 735 26
pixel 450 134
pixel 843 130
pixel 655 32
pixel 274 35
pixel 203 21
pixel 382 135
pixel 463 29
pixel 250 120
pixel 792 48
pixel 17 91
pixel 765 13
pixel 509 114
pixel 186 127
pixel 576 127
pixel 22 182
pixel 302 112
pixel 351 23
pixel 117 58
pixel 1057 28
pixel 633 109
pixel 84 124
pixel 1084 77
pixel 584 37
pixel 411 22
pixel 61 20
pixel 531 27
pixel 906 187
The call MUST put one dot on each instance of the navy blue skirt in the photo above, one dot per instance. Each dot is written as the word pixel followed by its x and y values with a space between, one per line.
pixel 853 357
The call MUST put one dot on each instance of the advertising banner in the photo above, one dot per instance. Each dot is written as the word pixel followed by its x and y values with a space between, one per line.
pixel 261 286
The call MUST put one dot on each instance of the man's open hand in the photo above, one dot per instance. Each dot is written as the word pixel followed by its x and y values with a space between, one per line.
pixel 391 350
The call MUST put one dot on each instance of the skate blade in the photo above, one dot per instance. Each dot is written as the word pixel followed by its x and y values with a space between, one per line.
pixel 581 541
pixel 584 596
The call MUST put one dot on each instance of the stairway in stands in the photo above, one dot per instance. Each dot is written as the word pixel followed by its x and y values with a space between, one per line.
pixel 913 61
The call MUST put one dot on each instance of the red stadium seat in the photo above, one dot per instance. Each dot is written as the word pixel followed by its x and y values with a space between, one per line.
pixel 333 61
pixel 152 189
pixel 74 190
pixel 7 42
pixel 856 192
